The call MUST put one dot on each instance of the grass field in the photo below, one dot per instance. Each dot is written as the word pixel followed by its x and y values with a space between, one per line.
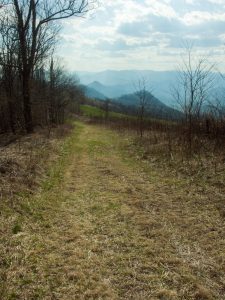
pixel 107 225
pixel 93 111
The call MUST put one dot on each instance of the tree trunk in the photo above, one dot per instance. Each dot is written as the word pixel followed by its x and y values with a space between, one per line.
pixel 27 104
pixel 190 134
pixel 11 116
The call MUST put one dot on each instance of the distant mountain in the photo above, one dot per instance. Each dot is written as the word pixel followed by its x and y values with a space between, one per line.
pixel 155 107
pixel 123 82
pixel 118 83
pixel 129 102
pixel 124 77
pixel 111 91
pixel 92 93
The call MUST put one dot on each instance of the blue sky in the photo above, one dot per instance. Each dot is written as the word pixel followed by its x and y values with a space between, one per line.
pixel 143 34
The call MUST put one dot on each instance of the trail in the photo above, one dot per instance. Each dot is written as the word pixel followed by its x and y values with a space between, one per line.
pixel 111 230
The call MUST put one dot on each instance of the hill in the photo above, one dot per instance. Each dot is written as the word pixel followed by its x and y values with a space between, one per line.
pixel 123 82
pixel 155 107
pixel 118 83
pixel 111 91
pixel 129 102
pixel 92 93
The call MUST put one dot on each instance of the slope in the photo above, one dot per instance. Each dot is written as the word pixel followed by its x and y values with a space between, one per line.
pixel 111 91
pixel 93 93
pixel 154 107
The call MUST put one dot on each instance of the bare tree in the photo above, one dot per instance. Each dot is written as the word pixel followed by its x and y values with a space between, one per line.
pixel 144 99
pixel 58 97
pixel 33 19
pixel 9 63
pixel 106 109
pixel 195 80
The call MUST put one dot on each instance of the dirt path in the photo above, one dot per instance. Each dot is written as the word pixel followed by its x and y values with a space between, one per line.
pixel 111 230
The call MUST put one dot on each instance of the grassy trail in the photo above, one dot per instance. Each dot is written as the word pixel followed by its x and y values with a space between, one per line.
pixel 108 229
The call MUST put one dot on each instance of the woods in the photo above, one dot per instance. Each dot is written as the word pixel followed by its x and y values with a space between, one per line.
pixel 29 80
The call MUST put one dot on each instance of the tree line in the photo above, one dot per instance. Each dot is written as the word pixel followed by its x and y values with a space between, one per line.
pixel 34 89
pixel 195 96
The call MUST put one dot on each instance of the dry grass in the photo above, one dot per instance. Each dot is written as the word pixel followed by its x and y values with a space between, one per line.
pixel 24 166
pixel 24 161
pixel 107 225
pixel 204 170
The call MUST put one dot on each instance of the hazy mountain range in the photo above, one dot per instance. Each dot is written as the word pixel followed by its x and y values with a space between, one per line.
pixel 111 91
pixel 114 84
pixel 155 107
pixel 93 93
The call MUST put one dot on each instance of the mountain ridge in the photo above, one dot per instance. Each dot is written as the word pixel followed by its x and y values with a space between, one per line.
pixel 110 91
pixel 124 81
pixel 154 107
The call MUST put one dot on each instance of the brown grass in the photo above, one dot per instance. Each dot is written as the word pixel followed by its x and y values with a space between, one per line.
pixel 24 161
pixel 114 226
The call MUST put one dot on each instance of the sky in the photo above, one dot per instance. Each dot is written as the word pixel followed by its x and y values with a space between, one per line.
pixel 143 35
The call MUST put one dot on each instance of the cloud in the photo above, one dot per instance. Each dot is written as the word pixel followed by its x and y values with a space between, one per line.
pixel 165 24
pixel 116 45
pixel 136 30
pixel 197 41
pixel 204 33
pixel 122 45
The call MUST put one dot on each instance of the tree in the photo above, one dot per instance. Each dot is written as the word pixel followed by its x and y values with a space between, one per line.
pixel 9 62
pixel 195 80
pixel 36 36
pixel 106 109
pixel 144 99
pixel 59 92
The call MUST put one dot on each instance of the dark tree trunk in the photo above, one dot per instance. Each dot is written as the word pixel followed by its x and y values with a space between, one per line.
pixel 27 104
pixel 11 116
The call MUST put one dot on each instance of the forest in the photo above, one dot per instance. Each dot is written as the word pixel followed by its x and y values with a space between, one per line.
pixel 35 90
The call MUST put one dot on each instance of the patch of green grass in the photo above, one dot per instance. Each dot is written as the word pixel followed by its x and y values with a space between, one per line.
pixel 16 228
pixel 55 174
pixel 32 215
pixel 92 111
pixel 113 114
pixel 94 146
pixel 13 296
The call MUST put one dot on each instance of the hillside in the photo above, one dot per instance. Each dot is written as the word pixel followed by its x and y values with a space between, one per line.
pixel 111 91
pixel 155 107
pixel 160 81
pixel 116 83
pixel 92 93
pixel 129 102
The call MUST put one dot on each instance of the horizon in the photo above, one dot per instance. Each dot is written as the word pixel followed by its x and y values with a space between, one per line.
pixel 124 70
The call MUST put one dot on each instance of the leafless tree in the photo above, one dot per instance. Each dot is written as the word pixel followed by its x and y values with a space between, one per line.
pixel 9 69
pixel 35 35
pixel 106 109
pixel 64 92
pixel 58 96
pixel 195 80
pixel 144 101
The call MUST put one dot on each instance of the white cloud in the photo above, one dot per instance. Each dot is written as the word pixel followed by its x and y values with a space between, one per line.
pixel 198 17
pixel 139 33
